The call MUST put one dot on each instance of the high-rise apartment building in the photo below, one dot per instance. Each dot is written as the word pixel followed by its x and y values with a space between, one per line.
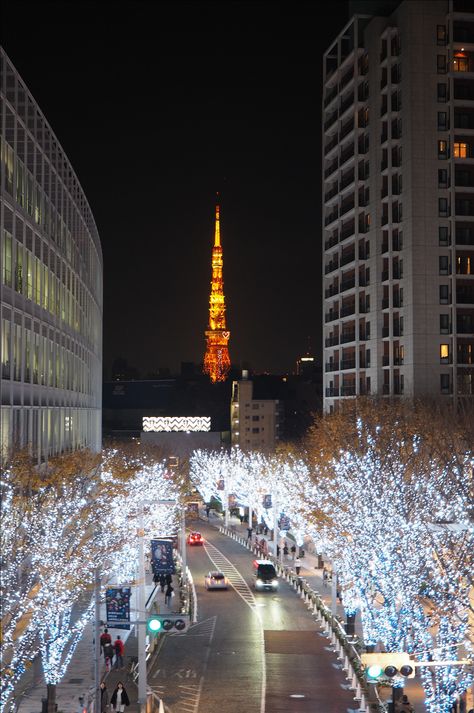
pixel 398 199
pixel 254 422
pixel 50 287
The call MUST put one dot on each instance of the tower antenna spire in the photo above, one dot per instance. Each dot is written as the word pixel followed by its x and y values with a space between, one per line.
pixel 216 358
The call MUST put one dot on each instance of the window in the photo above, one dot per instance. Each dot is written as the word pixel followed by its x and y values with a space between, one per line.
pixel 441 36
pixel 460 149
pixel 255 430
pixel 441 64
pixel 7 259
pixel 444 353
pixel 255 418
pixel 443 235
pixel 443 265
pixel 460 62
pixel 442 178
pixel 442 149
pixel 443 207
pixel 442 92
pixel 442 120
pixel 444 324
pixel 444 294
pixel 444 383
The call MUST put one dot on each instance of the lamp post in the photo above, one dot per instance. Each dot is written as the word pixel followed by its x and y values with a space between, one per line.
pixel 142 682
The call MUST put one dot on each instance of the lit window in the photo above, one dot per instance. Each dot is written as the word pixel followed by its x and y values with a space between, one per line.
pixel 460 149
pixel 444 353
pixel 460 62
pixel 442 149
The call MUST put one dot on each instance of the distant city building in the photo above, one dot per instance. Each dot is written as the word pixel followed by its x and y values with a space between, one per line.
pixel 398 203
pixel 50 287
pixel 255 423
pixel 305 366
pixel 217 359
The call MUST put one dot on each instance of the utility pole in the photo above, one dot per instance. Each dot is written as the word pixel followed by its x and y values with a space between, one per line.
pixel 142 683
pixel 183 547
pixel 97 638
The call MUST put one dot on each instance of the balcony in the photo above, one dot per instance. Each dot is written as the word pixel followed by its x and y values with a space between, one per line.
pixel 347 231
pixel 385 332
pixel 347 205
pixel 347 337
pixel 347 258
pixel 331 341
pixel 348 364
pixel 333 166
pixel 330 95
pixel 331 291
pixel 331 266
pixel 331 193
pixel 349 390
pixel 332 366
pixel 347 310
pixel 332 391
pixel 385 303
pixel 333 215
pixel 331 315
pixel 464 295
pixel 465 207
pixel 346 154
pixel 330 120
pixel 364 334
pixel 331 241
pixel 385 275
pixel 347 102
pixel 385 360
pixel 347 179
pixel 464 235
pixel 346 129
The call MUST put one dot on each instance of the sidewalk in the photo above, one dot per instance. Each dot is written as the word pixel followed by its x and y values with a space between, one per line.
pixel 312 574
pixel 79 678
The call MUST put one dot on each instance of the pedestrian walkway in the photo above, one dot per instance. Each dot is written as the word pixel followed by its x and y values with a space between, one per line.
pixel 318 575
pixel 79 681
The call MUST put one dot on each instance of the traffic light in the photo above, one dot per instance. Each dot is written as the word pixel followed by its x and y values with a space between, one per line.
pixel 380 666
pixel 168 623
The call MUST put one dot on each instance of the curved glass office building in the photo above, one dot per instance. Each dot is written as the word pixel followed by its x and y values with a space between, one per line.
pixel 50 287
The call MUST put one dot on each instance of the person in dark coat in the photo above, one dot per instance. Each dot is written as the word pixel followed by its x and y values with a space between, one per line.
pixel 108 650
pixel 162 582
pixel 168 593
pixel 120 698
pixel 104 698
pixel 169 578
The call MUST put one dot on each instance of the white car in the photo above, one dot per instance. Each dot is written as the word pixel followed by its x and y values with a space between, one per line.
pixel 216 580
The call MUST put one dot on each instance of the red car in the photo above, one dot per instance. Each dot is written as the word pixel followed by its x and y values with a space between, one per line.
pixel 195 538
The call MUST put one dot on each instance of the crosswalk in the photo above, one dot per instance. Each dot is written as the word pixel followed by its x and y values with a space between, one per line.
pixel 188 695
pixel 236 580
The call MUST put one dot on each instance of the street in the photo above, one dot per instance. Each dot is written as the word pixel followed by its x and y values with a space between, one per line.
pixel 249 651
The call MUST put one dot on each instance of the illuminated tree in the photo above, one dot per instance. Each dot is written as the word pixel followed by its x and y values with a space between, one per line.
pixel 77 515
pixel 381 483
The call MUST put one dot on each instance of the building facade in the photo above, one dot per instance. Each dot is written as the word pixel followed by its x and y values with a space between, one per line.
pixel 50 287
pixel 254 423
pixel 398 204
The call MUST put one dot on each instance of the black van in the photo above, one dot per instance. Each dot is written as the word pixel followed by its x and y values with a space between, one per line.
pixel 265 576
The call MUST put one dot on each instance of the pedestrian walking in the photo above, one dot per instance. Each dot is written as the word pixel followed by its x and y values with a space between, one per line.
pixel 104 698
pixel 105 638
pixel 119 649
pixel 162 582
pixel 169 594
pixel 120 698
pixel 297 566
pixel 249 533
pixel 404 705
pixel 108 650
pixel 168 578
pixel 208 510
pixel 293 552
pixel 285 550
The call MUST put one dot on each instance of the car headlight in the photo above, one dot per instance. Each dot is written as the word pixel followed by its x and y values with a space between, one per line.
pixel 275 583
pixel 259 583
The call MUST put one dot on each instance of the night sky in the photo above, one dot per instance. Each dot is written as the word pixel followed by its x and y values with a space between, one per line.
pixel 158 106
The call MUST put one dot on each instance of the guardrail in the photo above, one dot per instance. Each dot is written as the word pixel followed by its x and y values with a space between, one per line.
pixel 344 646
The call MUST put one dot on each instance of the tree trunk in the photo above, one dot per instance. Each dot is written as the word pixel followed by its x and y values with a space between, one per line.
pixel 51 698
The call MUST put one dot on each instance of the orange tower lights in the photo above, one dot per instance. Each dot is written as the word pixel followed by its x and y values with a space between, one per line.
pixel 216 358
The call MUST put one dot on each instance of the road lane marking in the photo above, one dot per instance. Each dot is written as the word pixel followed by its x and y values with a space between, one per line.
pixel 239 585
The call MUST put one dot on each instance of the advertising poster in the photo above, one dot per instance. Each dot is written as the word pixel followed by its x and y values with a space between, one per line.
pixel 192 510
pixel 267 501
pixel 162 557
pixel 117 603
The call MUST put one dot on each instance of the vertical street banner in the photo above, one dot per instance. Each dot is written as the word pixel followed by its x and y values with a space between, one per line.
pixel 267 501
pixel 192 510
pixel 162 561
pixel 117 603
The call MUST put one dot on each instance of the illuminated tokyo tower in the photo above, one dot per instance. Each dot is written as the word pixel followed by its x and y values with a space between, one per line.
pixel 216 358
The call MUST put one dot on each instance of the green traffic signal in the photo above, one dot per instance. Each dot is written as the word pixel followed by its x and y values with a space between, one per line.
pixel 374 671
pixel 154 625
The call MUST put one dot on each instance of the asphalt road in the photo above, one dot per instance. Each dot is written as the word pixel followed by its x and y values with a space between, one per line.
pixel 249 652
